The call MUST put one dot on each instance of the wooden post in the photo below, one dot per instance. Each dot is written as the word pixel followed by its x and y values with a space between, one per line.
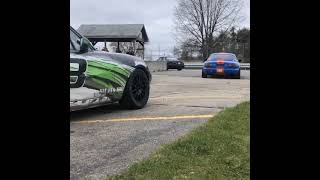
pixel 134 47
pixel 143 51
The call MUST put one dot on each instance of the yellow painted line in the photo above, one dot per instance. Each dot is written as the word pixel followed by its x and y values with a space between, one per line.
pixel 145 118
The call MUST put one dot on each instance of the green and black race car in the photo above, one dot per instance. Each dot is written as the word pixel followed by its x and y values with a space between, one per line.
pixel 99 78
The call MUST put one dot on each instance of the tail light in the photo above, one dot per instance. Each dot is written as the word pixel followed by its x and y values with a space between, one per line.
pixel 220 61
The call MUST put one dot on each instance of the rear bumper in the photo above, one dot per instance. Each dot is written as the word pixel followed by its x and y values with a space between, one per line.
pixel 227 72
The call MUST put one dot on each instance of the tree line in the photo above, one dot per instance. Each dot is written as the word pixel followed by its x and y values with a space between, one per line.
pixel 207 26
pixel 232 41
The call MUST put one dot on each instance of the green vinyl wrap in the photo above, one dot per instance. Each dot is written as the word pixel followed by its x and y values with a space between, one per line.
pixel 105 75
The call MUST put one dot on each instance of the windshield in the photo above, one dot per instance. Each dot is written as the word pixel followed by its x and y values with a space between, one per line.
pixel 74 41
pixel 226 57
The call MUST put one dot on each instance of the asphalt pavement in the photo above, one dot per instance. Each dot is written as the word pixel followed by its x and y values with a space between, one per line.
pixel 106 140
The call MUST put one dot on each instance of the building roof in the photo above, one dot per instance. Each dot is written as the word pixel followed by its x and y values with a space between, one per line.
pixel 114 32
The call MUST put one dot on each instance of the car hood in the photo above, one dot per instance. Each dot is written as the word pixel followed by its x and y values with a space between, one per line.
pixel 121 58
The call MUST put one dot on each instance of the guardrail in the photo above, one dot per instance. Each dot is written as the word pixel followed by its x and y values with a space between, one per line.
pixel 245 66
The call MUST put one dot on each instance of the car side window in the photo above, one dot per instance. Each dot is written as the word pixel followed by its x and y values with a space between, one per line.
pixel 74 41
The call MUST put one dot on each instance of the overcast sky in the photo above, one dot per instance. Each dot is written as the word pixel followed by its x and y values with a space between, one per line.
pixel 156 15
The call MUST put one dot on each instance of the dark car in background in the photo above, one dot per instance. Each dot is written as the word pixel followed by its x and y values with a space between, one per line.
pixel 222 64
pixel 173 63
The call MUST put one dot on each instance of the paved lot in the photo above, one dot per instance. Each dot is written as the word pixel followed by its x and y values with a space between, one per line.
pixel 106 140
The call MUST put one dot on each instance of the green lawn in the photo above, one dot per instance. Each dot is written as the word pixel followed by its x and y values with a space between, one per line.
pixel 217 150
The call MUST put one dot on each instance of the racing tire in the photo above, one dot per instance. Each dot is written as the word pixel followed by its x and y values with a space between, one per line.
pixel 238 76
pixel 179 69
pixel 136 92
pixel 204 75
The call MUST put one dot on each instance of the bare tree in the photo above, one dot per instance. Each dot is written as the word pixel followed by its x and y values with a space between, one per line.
pixel 200 20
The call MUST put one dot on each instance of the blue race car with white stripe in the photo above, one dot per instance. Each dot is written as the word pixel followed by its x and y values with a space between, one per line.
pixel 221 64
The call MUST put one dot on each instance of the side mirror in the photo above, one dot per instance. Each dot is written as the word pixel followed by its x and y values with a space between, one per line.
pixel 84 45
pixel 239 60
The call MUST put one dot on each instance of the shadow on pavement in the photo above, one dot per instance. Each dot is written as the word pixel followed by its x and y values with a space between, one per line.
pixel 93 112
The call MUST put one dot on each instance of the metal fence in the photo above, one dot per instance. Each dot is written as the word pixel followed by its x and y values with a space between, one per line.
pixel 245 66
